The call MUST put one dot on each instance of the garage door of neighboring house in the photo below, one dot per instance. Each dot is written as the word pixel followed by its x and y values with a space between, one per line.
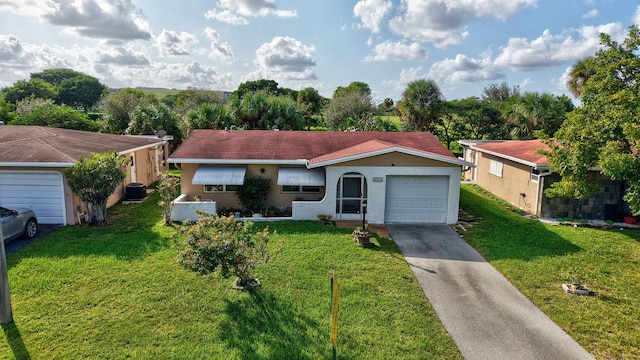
pixel 41 191
pixel 416 199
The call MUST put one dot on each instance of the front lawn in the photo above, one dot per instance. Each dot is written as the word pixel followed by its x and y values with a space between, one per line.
pixel 538 258
pixel 117 292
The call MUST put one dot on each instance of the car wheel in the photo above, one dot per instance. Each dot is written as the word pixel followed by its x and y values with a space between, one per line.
pixel 31 229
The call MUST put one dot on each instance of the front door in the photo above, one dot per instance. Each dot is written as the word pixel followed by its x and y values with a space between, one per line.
pixel 351 192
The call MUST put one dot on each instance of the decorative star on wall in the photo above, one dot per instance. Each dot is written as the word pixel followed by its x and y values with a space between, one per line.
pixel 262 171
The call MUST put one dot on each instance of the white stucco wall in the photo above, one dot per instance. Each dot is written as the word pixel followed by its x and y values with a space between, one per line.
pixel 309 210
pixel 182 209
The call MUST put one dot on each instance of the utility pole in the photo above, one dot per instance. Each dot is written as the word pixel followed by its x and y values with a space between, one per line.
pixel 5 295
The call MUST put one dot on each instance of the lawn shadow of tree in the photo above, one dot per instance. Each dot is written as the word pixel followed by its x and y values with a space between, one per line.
pixel 503 234
pixel 261 326
pixel 131 232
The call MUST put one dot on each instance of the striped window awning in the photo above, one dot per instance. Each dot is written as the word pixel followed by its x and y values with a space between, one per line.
pixel 301 177
pixel 224 175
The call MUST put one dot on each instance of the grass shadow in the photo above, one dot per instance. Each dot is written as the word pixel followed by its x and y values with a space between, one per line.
pixel 502 234
pixel 131 232
pixel 14 339
pixel 262 326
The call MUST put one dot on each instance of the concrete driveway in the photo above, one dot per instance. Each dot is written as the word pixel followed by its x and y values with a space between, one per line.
pixel 487 317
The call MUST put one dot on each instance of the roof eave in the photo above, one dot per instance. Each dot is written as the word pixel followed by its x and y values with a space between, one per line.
pixel 389 150
pixel 237 161
pixel 511 158
pixel 36 164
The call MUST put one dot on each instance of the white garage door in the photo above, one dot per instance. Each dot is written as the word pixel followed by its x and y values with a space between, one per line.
pixel 41 191
pixel 416 199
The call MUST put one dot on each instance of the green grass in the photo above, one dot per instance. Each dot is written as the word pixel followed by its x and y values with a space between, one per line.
pixel 117 292
pixel 537 258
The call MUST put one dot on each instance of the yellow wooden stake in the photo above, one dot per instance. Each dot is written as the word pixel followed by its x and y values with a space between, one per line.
pixel 334 314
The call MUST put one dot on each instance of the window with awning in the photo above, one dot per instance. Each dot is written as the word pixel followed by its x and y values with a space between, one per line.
pixel 223 175
pixel 300 177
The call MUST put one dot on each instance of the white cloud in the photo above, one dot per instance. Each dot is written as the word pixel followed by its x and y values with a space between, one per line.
pixel 233 11
pixel 398 51
pixel 226 16
pixel 171 43
pixel 591 14
pixel 122 56
pixel 443 22
pixel 463 69
pixel 285 58
pixel 18 59
pixel 219 51
pixel 551 50
pixel 636 18
pixel 168 75
pixel 371 13
pixel 27 8
pixel 102 19
pixel 405 77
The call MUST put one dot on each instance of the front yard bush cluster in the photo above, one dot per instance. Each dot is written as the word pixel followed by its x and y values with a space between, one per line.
pixel 221 243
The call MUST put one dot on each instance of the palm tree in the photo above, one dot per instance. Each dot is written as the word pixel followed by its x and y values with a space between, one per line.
pixel 581 71
pixel 422 104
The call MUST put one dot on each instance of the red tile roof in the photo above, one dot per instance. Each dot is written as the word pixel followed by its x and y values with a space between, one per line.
pixel 524 150
pixel 39 144
pixel 297 145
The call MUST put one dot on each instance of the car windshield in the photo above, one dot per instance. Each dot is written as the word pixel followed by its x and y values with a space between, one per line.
pixel 5 212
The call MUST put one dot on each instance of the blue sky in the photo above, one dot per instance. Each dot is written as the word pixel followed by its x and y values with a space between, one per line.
pixel 463 45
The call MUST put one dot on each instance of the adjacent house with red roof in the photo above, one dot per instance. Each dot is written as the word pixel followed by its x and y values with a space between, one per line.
pixel 401 177
pixel 33 160
pixel 515 172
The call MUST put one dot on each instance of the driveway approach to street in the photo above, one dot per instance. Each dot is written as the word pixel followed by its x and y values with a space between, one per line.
pixel 487 317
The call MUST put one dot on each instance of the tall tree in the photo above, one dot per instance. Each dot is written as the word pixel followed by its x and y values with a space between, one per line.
pixel 55 77
pixel 23 89
pixel 499 92
pixel 481 120
pixel 604 132
pixel 580 72
pixel 81 91
pixel 537 112
pixel 94 180
pixel 119 106
pixel 351 108
pixel 269 87
pixel 422 104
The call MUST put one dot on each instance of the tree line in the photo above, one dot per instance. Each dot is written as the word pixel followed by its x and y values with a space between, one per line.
pixel 69 99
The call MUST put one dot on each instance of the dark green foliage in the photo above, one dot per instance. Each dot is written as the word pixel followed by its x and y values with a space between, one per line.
pixel 57 116
pixel 94 180
pixel 23 89
pixel 55 77
pixel 253 193
pixel 81 91
pixel 224 244
pixel 604 131
pixel 422 105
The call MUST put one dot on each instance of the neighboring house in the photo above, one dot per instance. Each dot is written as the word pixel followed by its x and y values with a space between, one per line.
pixel 515 172
pixel 33 160
pixel 401 177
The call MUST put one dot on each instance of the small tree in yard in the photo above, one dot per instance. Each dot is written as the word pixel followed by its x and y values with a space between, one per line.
pixel 168 188
pixel 253 193
pixel 94 180
pixel 215 243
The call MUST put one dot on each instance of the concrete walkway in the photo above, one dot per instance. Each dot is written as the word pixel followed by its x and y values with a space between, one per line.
pixel 487 317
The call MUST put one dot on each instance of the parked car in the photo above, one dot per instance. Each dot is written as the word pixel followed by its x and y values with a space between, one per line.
pixel 18 223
